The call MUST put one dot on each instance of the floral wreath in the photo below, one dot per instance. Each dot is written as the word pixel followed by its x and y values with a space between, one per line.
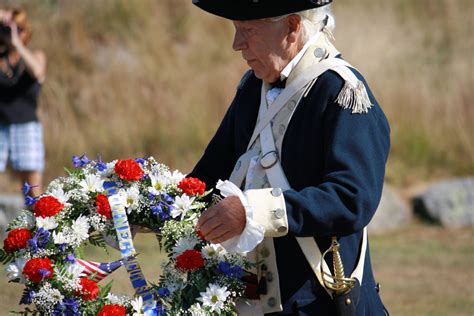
pixel 96 204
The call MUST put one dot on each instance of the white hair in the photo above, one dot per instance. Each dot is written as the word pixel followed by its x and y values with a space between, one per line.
pixel 314 21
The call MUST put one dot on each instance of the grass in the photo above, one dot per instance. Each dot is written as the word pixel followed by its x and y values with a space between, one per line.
pixel 423 270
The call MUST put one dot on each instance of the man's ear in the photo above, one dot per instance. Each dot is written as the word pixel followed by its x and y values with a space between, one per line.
pixel 294 27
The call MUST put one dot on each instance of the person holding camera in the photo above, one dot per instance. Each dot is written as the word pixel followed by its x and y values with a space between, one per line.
pixel 22 72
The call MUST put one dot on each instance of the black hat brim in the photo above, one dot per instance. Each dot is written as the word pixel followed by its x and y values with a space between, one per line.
pixel 256 9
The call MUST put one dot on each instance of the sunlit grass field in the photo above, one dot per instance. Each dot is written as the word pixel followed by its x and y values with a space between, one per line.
pixel 423 271
pixel 134 78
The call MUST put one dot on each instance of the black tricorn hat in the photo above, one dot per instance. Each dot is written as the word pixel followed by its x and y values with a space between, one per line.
pixel 256 9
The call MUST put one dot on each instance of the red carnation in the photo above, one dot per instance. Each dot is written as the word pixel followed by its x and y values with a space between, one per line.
pixel 103 206
pixel 38 269
pixel 89 289
pixel 16 239
pixel 189 260
pixel 128 170
pixel 47 206
pixel 112 310
pixel 192 186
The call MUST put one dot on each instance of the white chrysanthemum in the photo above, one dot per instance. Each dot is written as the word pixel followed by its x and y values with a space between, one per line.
pixel 214 297
pixel 213 251
pixel 184 244
pixel 80 228
pixel 130 198
pixel 175 177
pixel 14 270
pixel 197 310
pixel 159 183
pixel 92 183
pixel 48 223
pixel 182 205
pixel 59 194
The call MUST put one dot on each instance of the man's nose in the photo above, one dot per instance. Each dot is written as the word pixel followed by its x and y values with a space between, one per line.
pixel 239 41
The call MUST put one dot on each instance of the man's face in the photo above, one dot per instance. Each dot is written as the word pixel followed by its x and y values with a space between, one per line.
pixel 264 45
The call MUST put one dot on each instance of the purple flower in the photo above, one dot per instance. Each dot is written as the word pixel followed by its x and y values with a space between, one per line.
pixel 68 307
pixel 80 161
pixel 168 199
pixel 151 196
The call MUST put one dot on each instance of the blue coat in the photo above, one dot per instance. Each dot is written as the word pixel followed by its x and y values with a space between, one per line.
pixel 335 163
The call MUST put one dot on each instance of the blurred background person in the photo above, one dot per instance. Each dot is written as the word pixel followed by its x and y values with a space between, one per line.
pixel 22 72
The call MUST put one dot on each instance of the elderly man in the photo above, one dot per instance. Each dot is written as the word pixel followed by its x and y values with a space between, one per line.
pixel 306 141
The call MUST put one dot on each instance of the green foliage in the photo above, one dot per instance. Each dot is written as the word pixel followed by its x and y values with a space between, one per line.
pixel 6 257
pixel 27 312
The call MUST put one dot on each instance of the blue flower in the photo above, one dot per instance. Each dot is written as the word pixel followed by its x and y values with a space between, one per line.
pixel 140 160
pixel 151 196
pixel 27 297
pixel 80 161
pixel 68 307
pixel 29 200
pixel 44 273
pixel 40 240
pixel 100 165
pixel 27 187
pixel 71 258
pixel 168 199
pixel 230 271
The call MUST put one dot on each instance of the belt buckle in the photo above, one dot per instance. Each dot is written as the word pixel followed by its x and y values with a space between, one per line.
pixel 269 159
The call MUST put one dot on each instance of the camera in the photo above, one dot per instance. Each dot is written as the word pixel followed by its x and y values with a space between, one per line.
pixel 5 30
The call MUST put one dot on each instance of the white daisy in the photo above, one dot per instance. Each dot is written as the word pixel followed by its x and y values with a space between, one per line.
pixel 48 223
pixel 214 297
pixel 159 182
pixel 92 183
pixel 137 305
pixel 74 270
pixel 182 205
pixel 184 244
pixel 130 198
pixel 213 251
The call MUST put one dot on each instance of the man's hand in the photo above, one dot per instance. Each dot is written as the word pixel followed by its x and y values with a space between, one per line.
pixel 223 221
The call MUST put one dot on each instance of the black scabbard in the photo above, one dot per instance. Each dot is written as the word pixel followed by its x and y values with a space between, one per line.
pixel 346 304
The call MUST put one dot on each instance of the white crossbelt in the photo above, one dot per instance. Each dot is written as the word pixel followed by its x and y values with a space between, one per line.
pixel 270 160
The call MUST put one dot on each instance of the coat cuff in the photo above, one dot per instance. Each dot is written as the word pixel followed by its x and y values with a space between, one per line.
pixel 269 210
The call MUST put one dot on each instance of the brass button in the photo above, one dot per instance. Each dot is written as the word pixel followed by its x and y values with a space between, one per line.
pixel 269 276
pixel 271 302
pixel 279 213
pixel 281 229
pixel 348 301
pixel 276 192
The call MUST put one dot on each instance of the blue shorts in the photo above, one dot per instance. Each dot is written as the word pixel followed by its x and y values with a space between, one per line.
pixel 22 144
